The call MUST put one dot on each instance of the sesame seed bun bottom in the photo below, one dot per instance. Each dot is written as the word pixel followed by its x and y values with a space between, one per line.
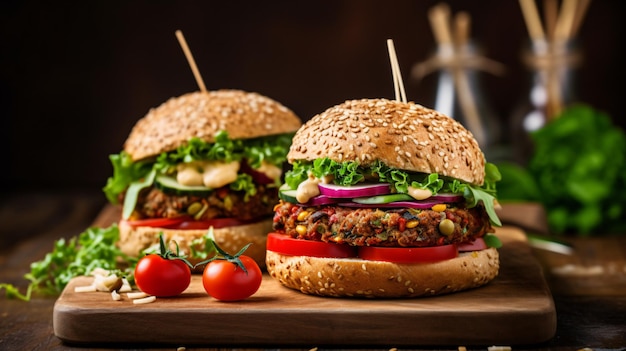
pixel 339 277
pixel 135 239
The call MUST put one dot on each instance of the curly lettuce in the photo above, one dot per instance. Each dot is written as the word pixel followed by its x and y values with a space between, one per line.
pixel 270 149
pixel 351 172
pixel 76 256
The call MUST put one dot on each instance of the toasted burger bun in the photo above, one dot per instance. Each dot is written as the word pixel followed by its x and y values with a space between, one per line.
pixel 347 277
pixel 135 239
pixel 243 115
pixel 403 135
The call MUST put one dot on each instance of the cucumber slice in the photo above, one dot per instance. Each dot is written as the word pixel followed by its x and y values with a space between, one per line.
pixel 288 195
pixel 382 199
pixel 170 185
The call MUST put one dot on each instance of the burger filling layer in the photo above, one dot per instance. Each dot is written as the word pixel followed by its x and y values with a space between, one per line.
pixel 393 227
pixel 221 203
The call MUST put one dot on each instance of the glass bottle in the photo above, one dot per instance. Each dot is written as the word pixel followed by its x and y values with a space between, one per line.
pixel 460 95
pixel 550 90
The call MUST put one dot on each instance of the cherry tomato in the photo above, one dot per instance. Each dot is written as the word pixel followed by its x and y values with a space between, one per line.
pixel 226 281
pixel 160 276
pixel 476 245
pixel 408 254
pixel 287 245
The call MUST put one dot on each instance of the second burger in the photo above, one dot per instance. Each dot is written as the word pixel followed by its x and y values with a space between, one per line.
pixel 204 159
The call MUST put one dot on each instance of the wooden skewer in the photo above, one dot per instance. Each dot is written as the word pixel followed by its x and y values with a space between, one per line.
pixel 192 62
pixel 462 24
pixel 395 69
pixel 439 16
pixel 551 14
pixel 533 23
pixel 580 15
pixel 565 21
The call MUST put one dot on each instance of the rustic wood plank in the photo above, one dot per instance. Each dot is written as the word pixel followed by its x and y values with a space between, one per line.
pixel 516 308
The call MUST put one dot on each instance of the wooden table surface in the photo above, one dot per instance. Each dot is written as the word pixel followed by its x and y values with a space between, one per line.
pixel 588 286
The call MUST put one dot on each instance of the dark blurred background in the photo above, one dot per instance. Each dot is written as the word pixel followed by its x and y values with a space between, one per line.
pixel 76 76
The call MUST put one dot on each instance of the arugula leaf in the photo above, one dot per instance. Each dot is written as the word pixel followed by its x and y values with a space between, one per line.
pixel 351 172
pixel 132 194
pixel 492 241
pixel 81 254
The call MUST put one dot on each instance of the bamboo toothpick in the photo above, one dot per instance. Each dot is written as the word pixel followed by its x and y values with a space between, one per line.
pixel 583 6
pixel 533 22
pixel 190 59
pixel 462 24
pixel 565 21
pixel 439 16
pixel 551 14
pixel 395 71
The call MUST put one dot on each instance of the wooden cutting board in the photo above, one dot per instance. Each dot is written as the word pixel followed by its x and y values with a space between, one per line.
pixel 515 308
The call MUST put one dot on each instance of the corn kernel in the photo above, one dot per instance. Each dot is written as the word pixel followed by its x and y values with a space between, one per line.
pixel 301 229
pixel 412 224
pixel 439 207
pixel 303 215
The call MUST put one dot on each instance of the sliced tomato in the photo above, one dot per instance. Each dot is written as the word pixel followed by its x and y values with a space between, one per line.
pixel 476 245
pixel 215 223
pixel 408 254
pixel 188 223
pixel 286 245
pixel 156 222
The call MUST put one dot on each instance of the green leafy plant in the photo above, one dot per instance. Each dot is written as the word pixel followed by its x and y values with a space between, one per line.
pixel 79 255
pixel 576 171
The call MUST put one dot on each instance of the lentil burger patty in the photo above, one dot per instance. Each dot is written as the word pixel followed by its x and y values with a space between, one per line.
pixel 402 227
pixel 221 203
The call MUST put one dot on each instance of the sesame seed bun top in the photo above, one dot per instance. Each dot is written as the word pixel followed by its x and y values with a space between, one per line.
pixel 402 135
pixel 202 114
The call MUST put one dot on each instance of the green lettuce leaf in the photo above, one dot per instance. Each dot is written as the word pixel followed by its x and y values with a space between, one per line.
pixel 127 174
pixel 132 194
pixel 351 172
